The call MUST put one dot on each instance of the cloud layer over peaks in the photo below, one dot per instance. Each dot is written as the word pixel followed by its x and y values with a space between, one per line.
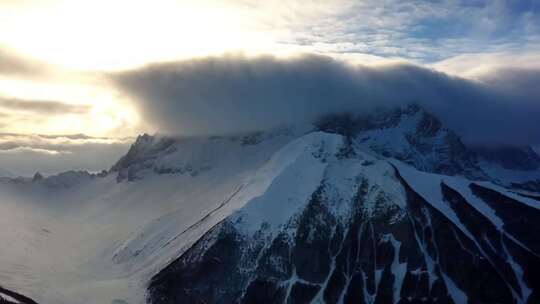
pixel 229 94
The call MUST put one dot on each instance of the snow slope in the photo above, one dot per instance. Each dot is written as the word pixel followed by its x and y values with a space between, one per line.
pixel 335 220
pixel 97 240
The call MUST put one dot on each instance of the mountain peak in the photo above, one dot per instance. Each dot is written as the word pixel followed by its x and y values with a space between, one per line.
pixel 143 150
pixel 410 134
pixel 193 155
pixel 315 227
pixel 37 177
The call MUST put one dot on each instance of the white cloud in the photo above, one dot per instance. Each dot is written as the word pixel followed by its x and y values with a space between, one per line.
pixel 24 154
pixel 19 150
pixel 418 29
pixel 480 65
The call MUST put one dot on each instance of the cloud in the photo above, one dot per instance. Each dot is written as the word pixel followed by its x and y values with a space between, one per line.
pixel 58 143
pixel 12 64
pixel 418 30
pixel 29 149
pixel 234 94
pixel 24 154
pixel 520 81
pixel 42 106
pixel 485 65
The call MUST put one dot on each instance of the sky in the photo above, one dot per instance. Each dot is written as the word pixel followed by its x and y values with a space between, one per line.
pixel 80 79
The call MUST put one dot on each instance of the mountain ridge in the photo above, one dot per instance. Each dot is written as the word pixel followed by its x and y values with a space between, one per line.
pixel 408 133
pixel 263 204
pixel 291 267
pixel 294 266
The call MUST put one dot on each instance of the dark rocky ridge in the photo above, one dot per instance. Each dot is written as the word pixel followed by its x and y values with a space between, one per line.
pixel 140 155
pixel 393 254
pixel 352 261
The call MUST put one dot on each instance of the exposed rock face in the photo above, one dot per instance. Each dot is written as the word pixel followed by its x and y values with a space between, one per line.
pixel 361 229
pixel 141 156
pixel 411 135
pixel 37 177
pixel 167 155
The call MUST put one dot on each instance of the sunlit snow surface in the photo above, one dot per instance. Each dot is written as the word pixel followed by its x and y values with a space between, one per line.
pixel 100 241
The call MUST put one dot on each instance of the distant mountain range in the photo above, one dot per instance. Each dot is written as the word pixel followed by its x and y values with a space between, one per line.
pixel 6 173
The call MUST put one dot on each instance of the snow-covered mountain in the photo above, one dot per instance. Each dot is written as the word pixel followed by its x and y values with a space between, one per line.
pixel 389 207
pixel 342 224
pixel 409 134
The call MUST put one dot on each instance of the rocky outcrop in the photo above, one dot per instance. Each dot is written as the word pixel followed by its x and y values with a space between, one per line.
pixel 409 134
pixel 192 155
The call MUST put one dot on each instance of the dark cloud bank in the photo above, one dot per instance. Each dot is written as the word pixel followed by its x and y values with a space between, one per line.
pixel 233 93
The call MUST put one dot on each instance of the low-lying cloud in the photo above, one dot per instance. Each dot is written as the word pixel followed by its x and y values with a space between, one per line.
pixel 234 94
pixel 24 154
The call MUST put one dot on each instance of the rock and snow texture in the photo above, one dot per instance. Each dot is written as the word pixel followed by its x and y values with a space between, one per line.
pixel 362 229
pixel 357 218
pixel 411 135
pixel 516 167
pixel 388 208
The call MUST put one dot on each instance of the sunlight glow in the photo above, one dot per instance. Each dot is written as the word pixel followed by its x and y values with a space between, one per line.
pixel 99 34
pixel 76 39
pixel 108 113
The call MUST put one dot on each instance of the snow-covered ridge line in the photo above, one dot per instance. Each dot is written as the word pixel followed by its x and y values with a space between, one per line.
pixel 301 163
pixel 408 133
pixel 190 155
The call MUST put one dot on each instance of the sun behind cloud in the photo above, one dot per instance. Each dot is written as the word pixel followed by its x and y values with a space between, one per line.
pixel 110 35
pixel 60 52
pixel 38 106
